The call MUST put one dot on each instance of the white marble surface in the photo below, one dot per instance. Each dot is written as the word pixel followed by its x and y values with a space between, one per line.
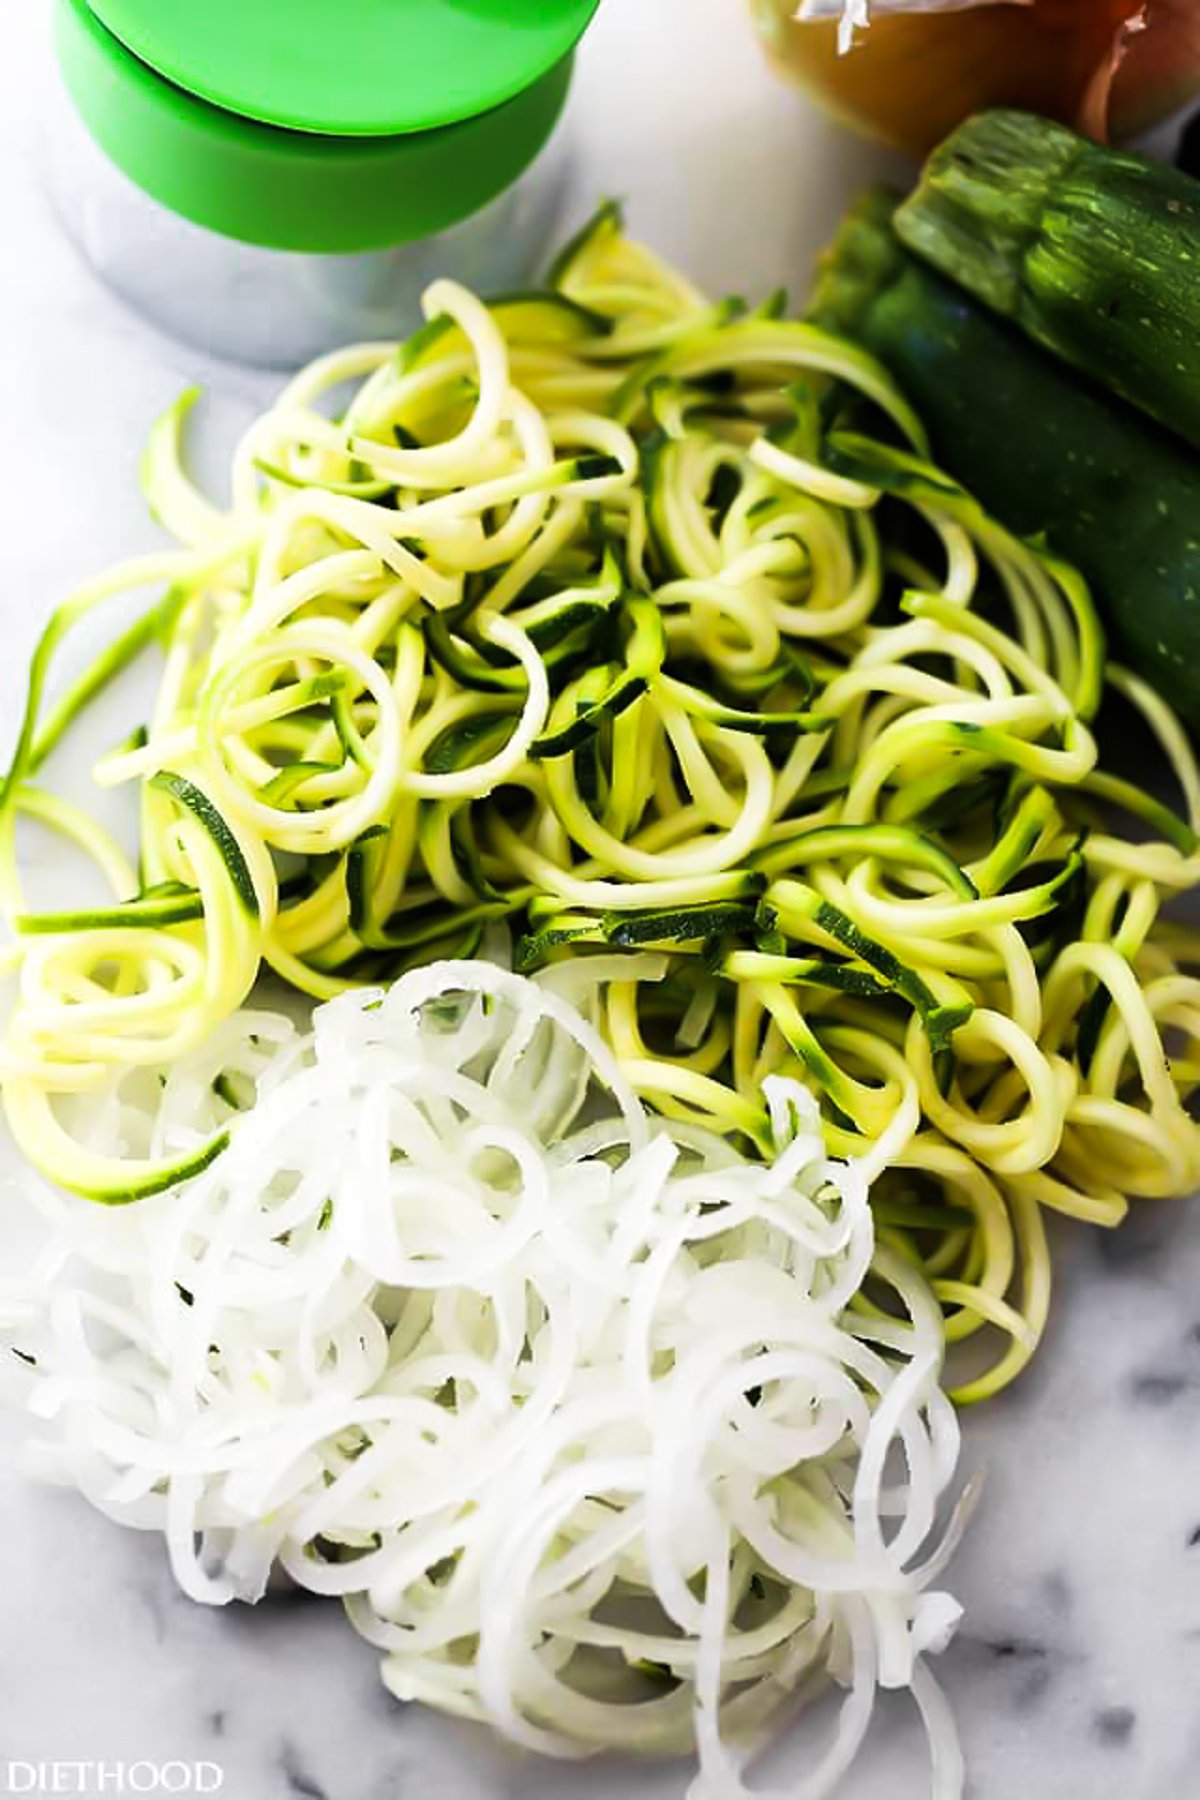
pixel 1078 1669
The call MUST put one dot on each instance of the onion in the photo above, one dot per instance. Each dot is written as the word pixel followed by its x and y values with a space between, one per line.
pixel 568 1406
pixel 1108 67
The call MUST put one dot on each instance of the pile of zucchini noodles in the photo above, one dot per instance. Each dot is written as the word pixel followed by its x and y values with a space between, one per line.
pixel 612 617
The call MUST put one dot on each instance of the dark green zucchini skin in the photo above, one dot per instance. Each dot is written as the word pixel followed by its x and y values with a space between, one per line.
pixel 1040 447
pixel 1093 252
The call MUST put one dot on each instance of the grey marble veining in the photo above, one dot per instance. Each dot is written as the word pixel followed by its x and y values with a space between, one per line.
pixel 1076 1675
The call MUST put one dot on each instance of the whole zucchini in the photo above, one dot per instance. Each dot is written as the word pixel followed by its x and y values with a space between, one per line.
pixel 1040 447
pixel 1093 252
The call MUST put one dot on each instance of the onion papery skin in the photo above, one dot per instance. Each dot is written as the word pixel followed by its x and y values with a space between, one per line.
pixel 1108 67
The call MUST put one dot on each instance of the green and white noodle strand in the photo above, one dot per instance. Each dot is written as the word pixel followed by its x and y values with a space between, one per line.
pixel 608 618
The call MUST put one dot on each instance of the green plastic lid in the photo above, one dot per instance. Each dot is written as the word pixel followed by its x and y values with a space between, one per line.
pixel 320 125
pixel 369 67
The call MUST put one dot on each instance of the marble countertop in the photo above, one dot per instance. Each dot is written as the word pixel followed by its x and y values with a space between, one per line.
pixel 1077 1670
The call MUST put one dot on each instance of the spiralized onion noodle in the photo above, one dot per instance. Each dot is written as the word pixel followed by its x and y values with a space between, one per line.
pixel 584 1418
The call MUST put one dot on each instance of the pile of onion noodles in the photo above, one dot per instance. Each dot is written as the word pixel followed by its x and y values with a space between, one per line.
pixel 591 1422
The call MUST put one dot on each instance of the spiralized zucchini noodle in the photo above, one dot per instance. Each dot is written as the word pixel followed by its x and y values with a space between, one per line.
pixel 577 1409
pixel 618 618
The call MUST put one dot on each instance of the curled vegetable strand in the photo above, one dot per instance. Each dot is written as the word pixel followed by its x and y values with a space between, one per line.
pixel 607 620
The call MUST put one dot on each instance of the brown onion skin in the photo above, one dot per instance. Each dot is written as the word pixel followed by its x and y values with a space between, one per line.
pixel 911 79
pixel 1160 69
